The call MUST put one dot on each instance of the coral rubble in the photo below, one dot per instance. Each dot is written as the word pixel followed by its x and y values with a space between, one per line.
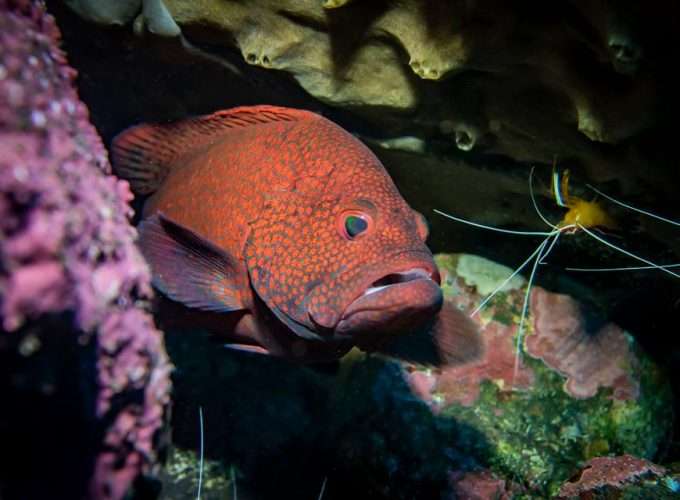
pixel 73 286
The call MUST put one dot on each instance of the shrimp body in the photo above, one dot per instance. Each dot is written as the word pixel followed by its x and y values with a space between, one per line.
pixel 587 214
pixel 581 215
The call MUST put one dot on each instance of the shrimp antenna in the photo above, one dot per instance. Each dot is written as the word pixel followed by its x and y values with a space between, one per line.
pixel 200 467
pixel 626 252
pixel 611 269
pixel 233 480
pixel 323 488
pixel 554 242
pixel 533 199
pixel 517 271
pixel 525 306
pixel 491 228
pixel 630 207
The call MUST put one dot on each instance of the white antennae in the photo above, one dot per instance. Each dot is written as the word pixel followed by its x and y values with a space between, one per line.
pixel 525 306
pixel 554 242
pixel 515 273
pixel 323 488
pixel 611 269
pixel 491 228
pixel 631 207
pixel 200 467
pixel 533 199
pixel 233 480
pixel 626 252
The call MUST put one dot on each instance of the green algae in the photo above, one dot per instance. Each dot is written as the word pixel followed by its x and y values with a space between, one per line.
pixel 541 436
pixel 181 475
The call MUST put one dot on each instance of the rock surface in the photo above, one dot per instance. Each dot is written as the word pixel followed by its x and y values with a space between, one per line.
pixel 526 82
pixel 621 477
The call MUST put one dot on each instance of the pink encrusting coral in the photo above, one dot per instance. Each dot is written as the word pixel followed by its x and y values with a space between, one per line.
pixel 66 244
pixel 462 383
pixel 589 360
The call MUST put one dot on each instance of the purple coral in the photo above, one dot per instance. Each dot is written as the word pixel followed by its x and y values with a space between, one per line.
pixel 67 249
pixel 589 360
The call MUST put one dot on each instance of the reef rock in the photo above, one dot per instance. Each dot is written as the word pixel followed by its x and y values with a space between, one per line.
pixel 579 387
pixel 152 14
pixel 481 485
pixel 84 377
pixel 531 82
pixel 620 477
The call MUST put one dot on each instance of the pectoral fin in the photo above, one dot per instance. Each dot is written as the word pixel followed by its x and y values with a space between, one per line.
pixel 188 268
pixel 255 349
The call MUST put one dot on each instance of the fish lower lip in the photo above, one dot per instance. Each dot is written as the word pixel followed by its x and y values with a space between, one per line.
pixel 375 286
pixel 393 303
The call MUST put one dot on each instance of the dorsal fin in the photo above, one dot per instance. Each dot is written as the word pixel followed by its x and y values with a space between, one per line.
pixel 144 154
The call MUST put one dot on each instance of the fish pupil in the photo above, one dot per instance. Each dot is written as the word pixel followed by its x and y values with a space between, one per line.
pixel 355 225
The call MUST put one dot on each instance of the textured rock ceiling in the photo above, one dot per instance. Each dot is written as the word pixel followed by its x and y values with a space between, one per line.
pixel 581 81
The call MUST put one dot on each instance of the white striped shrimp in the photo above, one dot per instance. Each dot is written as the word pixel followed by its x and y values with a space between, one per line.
pixel 581 216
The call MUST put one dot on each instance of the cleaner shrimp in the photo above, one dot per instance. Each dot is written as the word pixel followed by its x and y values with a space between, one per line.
pixel 582 216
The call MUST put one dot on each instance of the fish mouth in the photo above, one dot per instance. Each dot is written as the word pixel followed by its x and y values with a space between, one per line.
pixel 397 278
pixel 393 303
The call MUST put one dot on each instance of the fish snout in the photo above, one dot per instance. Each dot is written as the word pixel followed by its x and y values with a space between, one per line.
pixel 393 303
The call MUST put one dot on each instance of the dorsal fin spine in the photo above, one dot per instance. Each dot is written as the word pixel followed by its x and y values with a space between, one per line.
pixel 144 154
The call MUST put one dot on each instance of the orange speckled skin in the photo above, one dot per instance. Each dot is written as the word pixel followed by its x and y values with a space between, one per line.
pixel 275 196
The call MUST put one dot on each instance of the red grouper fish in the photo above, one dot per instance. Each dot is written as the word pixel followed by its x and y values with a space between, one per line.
pixel 284 221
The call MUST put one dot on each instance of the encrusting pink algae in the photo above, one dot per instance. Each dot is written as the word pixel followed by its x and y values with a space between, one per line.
pixel 589 360
pixel 67 247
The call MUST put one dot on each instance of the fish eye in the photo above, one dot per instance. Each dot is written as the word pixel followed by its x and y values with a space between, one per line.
pixel 353 224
